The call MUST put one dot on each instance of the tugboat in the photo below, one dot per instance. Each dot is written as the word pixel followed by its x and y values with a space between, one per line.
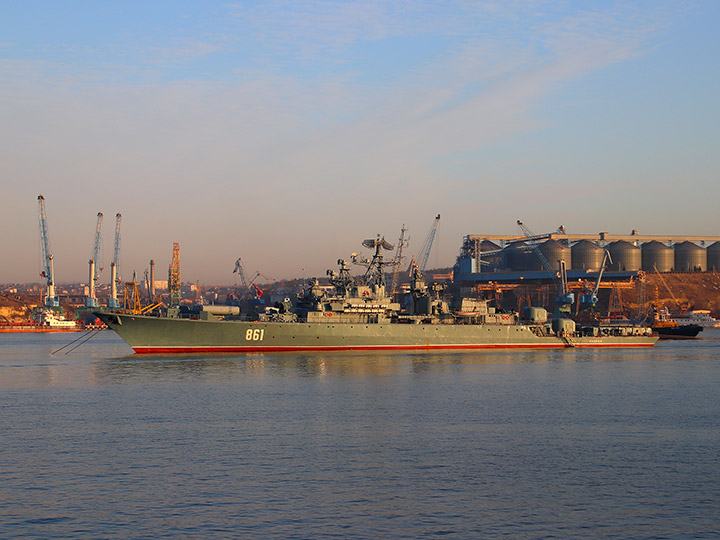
pixel 668 328
pixel 360 315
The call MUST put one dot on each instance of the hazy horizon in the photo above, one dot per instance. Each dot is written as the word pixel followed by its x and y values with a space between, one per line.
pixel 285 133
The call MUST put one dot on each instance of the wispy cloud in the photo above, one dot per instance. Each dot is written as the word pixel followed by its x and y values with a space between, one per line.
pixel 316 144
pixel 186 51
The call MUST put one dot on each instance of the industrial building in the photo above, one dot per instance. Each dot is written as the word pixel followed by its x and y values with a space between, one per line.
pixel 485 258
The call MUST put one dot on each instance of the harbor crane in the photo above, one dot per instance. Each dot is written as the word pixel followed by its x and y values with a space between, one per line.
pixel 589 297
pixel 424 254
pixel 427 246
pixel 114 266
pixel 241 272
pixel 397 260
pixel 257 291
pixel 48 269
pixel 564 297
pixel 250 287
pixel 94 270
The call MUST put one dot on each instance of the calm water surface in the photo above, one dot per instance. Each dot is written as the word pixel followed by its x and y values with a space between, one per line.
pixel 99 443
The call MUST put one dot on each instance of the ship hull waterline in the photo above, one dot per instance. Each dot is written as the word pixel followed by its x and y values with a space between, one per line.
pixel 157 335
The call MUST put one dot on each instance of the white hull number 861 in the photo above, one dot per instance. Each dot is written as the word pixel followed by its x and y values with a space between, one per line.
pixel 254 335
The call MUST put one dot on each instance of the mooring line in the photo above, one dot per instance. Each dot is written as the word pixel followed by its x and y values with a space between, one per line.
pixel 73 341
pixel 68 344
pixel 93 333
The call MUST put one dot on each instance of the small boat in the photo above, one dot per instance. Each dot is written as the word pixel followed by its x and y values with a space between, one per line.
pixel 668 328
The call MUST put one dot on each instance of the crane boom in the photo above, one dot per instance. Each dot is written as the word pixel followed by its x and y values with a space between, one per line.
pixel 114 266
pixel 427 247
pixel 424 254
pixel 116 251
pixel 239 270
pixel 48 270
pixel 249 288
pixel 397 260
pixel 607 258
pixel 98 242
pixel 564 297
pixel 531 238
pixel 677 302
pixel 590 296
pixel 93 275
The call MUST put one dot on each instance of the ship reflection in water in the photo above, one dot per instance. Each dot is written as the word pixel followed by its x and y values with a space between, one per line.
pixel 567 443
pixel 246 367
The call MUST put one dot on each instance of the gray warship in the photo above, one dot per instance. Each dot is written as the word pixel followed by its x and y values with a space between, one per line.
pixel 360 315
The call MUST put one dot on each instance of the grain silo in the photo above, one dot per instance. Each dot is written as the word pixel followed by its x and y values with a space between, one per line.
pixel 625 256
pixel 516 259
pixel 587 255
pixel 690 257
pixel 657 255
pixel 713 257
pixel 553 251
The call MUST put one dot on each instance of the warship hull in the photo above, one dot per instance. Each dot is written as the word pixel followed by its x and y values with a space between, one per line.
pixel 153 335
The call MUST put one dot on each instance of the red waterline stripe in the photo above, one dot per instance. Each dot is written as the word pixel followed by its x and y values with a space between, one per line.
pixel 180 350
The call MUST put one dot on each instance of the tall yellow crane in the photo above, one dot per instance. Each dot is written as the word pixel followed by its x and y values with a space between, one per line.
pixel 174 276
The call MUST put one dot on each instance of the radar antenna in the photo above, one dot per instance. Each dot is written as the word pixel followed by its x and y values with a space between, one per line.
pixel 375 273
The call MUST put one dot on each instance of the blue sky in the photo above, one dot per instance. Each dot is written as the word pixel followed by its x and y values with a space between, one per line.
pixel 286 132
